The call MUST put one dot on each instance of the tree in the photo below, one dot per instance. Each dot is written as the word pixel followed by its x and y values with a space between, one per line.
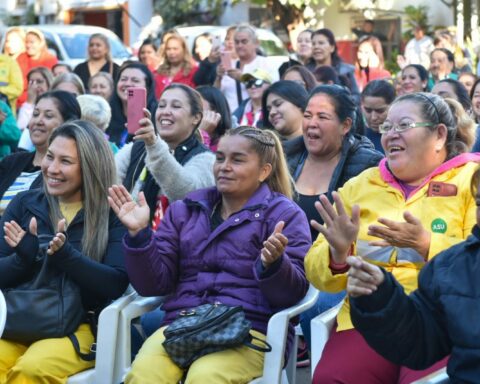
pixel 178 12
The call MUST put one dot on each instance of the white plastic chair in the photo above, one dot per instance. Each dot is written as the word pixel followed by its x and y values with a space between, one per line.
pixel 438 377
pixel 107 340
pixel 3 313
pixel 321 327
pixel 273 371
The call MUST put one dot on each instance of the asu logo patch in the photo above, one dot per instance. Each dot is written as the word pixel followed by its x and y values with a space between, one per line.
pixel 439 226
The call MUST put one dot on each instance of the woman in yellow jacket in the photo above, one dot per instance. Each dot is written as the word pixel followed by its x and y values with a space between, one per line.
pixel 11 81
pixel 416 203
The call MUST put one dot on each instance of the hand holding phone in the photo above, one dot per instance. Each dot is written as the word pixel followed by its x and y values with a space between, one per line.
pixel 226 60
pixel 136 102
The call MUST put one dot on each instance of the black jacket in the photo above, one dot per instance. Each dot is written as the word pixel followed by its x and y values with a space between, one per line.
pixel 358 154
pixel 440 318
pixel 99 282
pixel 84 73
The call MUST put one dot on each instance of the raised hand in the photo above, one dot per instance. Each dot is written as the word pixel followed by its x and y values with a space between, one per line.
pixel 14 233
pixel 340 230
pixel 209 121
pixel 408 234
pixel 147 131
pixel 274 246
pixel 363 277
pixel 59 239
pixel 134 216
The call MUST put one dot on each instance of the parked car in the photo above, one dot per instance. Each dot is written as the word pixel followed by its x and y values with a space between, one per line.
pixel 70 42
pixel 270 44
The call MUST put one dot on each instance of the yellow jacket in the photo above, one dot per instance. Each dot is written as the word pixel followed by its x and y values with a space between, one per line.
pixel 449 218
pixel 11 80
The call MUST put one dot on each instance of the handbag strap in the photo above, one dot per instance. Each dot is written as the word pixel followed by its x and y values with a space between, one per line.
pixel 248 343
pixel 90 356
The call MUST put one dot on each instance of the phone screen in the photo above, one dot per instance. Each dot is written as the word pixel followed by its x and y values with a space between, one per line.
pixel 226 59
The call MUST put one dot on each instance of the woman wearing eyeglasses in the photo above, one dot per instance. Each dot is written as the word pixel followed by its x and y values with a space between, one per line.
pixel 249 112
pixel 398 215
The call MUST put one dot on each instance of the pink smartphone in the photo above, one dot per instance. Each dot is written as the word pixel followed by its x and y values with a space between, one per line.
pixel 136 101
pixel 226 59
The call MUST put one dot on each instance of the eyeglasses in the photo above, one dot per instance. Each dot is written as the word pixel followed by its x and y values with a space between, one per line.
pixel 402 127
pixel 257 83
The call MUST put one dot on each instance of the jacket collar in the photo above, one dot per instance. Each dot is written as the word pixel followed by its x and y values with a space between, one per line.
pixel 185 147
pixel 210 196
pixel 455 162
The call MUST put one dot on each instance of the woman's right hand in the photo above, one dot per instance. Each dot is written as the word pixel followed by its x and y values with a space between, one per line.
pixel 340 230
pixel 220 70
pixel 147 130
pixel 134 216
pixel 14 233
pixel 363 277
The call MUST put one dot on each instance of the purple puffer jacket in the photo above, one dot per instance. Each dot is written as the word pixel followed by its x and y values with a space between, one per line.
pixel 185 259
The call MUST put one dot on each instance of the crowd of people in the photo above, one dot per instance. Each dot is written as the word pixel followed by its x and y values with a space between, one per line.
pixel 243 184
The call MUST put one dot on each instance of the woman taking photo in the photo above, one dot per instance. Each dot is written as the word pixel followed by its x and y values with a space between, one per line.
pixel 324 52
pixel 216 118
pixel 376 99
pixel 414 78
pixel 99 59
pixel 239 243
pixel 86 245
pixel 21 170
pixel 398 215
pixel 177 65
pixel 168 165
pixel 130 74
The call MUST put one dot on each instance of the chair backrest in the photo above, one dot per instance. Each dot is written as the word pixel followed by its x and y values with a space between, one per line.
pixel 3 313
pixel 321 327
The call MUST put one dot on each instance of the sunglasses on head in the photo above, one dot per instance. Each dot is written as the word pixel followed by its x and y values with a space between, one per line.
pixel 257 83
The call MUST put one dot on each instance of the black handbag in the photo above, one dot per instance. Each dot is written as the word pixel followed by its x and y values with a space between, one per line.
pixel 49 305
pixel 205 329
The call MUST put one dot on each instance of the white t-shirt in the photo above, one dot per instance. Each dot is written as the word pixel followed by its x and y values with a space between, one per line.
pixel 228 85
pixel 418 51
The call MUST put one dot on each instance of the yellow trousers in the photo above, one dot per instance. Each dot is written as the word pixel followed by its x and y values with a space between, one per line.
pixel 48 361
pixel 236 365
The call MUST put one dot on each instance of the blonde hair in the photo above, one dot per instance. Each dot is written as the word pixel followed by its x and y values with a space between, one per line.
pixel 187 62
pixel 96 110
pixel 269 148
pixel 71 78
pixel 98 174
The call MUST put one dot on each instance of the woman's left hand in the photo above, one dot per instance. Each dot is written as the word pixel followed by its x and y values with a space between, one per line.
pixel 363 277
pixel 408 234
pixel 59 239
pixel 274 246
pixel 147 130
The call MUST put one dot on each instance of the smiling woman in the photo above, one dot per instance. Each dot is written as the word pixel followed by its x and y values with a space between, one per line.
pixel 240 243
pixel 21 171
pixel 72 209
pixel 398 215
pixel 168 163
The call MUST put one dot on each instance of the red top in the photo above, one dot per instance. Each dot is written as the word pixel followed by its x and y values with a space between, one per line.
pixel 373 74
pixel 26 63
pixel 162 81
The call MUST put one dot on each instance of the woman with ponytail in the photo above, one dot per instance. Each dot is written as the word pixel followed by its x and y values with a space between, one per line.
pixel 396 216
pixel 241 242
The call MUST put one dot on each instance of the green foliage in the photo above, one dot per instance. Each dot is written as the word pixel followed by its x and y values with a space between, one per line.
pixel 391 65
pixel 178 12
pixel 416 16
